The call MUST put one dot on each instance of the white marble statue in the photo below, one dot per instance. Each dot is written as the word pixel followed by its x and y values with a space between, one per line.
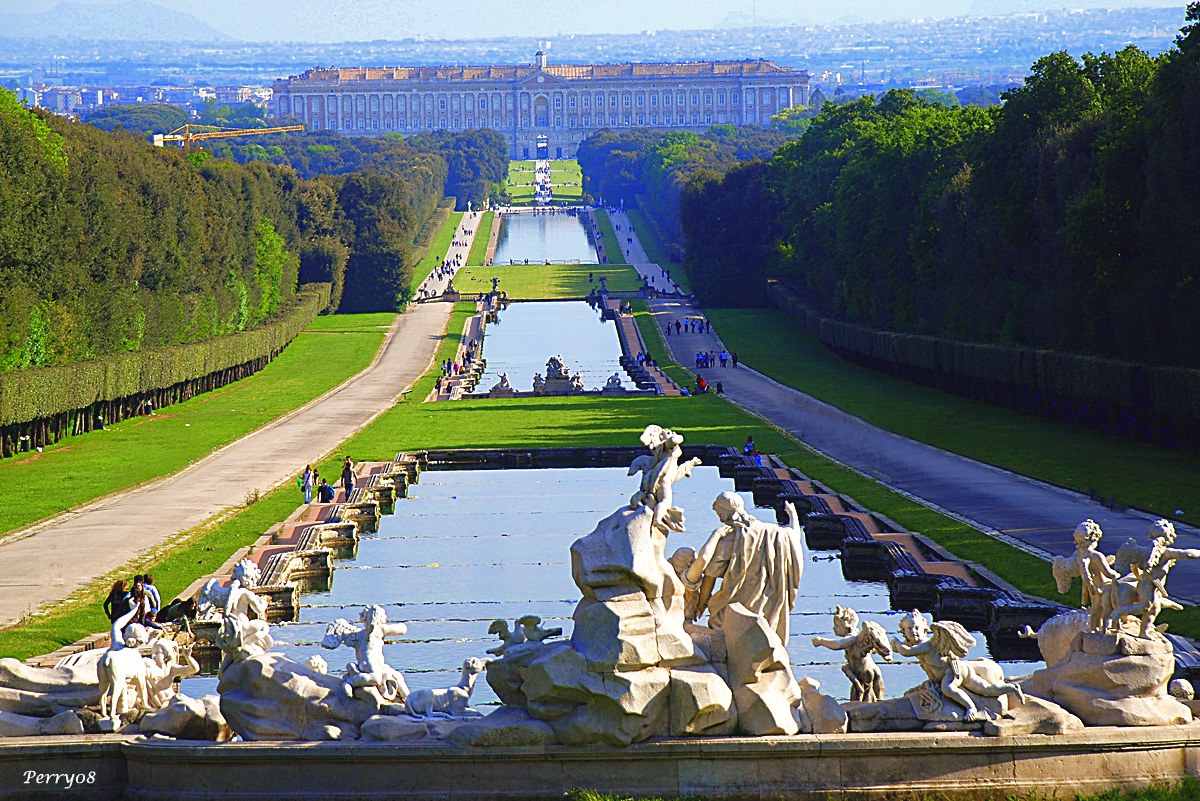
pixel 317 663
pixel 759 565
pixel 503 385
pixel 858 643
pixel 450 701
pixel 253 636
pixel 370 673
pixel 660 469
pixel 577 382
pixel 507 638
pixel 239 640
pixel 1094 570
pixel 614 382
pixel 532 631
pixel 167 663
pixel 122 671
pixel 952 677
pixel 1150 574
pixel 211 602
pixel 557 368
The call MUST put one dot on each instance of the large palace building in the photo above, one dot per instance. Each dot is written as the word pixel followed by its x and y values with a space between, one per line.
pixel 553 105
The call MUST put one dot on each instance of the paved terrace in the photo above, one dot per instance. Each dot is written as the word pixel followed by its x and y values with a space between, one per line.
pixel 1030 514
pixel 49 561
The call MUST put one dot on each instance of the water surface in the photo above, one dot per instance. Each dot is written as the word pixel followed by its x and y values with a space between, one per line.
pixel 528 334
pixel 538 237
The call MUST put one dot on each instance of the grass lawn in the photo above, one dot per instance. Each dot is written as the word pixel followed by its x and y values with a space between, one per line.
pixel 478 254
pixel 81 469
pixel 1139 474
pixel 612 245
pixel 437 249
pixel 526 281
pixel 567 166
pixel 654 249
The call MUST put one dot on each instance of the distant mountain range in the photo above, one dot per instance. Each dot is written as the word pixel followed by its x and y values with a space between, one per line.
pixel 131 20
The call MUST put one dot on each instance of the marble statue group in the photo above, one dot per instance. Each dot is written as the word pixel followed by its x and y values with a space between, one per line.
pixel 690 644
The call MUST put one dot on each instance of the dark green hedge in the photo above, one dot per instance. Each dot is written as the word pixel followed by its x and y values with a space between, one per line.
pixel 1160 403
pixel 42 392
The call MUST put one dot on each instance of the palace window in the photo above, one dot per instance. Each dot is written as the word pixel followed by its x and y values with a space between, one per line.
pixel 572 121
pixel 558 122
pixel 681 119
pixel 733 99
pixel 613 120
pixel 641 120
pixel 641 100
pixel 587 101
pixel 442 103
pixel 587 120
pixel 708 100
pixel 654 119
pixel 388 123
pixel 695 99
pixel 482 103
pixel 456 123
pixel 708 118
pixel 571 102
pixel 558 102
pixel 721 99
pixel 695 119
pixel 667 100
pixel 654 100
pixel 614 101
pixel 626 119
pixel 626 101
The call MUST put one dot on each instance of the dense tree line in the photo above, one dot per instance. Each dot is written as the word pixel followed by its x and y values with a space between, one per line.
pixel 476 161
pixel 1063 218
pixel 108 244
pixel 620 166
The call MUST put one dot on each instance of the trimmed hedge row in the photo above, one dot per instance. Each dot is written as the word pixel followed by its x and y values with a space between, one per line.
pixel 42 392
pixel 1160 404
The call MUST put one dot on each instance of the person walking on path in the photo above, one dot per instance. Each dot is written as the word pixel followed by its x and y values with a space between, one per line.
pixel 733 357
pixel 306 483
pixel 348 477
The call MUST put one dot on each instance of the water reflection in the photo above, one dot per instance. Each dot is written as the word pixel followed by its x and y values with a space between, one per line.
pixel 530 333
pixel 538 237
pixel 471 546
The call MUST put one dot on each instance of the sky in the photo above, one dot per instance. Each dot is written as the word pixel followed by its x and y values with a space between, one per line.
pixel 361 20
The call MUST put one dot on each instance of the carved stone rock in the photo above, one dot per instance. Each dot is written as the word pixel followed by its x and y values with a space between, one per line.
pixel 13 724
pixel 820 713
pixel 45 692
pixel 761 676
pixel 187 718
pixel 270 697
pixel 1114 680
pixel 701 702
pixel 506 726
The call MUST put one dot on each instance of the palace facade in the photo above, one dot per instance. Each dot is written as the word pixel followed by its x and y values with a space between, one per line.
pixel 556 105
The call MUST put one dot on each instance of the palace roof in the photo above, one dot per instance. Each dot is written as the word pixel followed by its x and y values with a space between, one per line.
pixel 685 69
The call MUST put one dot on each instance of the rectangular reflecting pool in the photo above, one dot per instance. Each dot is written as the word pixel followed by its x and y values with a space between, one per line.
pixel 540 237
pixel 469 546
pixel 528 334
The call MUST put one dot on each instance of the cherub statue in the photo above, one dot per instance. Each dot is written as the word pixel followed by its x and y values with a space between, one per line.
pixel 370 673
pixel 239 603
pixel 168 662
pixel 1151 575
pixel 866 682
pixel 1094 570
pixel 951 675
pixel 660 469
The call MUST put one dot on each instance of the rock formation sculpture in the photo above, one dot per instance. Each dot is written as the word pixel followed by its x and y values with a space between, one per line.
pixel 212 600
pixel 858 643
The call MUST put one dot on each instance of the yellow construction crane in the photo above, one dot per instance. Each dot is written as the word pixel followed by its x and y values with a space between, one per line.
pixel 185 137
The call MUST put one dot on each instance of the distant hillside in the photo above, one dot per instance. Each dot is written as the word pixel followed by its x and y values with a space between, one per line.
pixel 135 19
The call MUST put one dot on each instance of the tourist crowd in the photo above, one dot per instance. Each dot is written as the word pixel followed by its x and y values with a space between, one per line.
pixel 143 598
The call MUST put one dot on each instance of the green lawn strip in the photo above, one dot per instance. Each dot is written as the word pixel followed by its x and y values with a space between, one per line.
pixel 568 193
pixel 1139 474
pixel 81 469
pixel 652 337
pixel 202 551
pixel 479 244
pixel 548 281
pixel 437 249
pixel 565 165
pixel 612 245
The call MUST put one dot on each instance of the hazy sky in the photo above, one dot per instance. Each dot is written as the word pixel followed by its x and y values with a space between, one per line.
pixel 342 20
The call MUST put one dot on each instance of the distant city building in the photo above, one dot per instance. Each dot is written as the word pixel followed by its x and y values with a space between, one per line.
pixel 558 104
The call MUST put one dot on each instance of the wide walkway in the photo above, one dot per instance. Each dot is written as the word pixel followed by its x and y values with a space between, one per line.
pixel 50 561
pixel 1027 513
pixel 455 259
pixel 655 275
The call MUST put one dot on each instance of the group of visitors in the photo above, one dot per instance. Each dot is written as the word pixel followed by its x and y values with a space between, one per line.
pixel 689 325
pixel 143 598
pixel 310 481
pixel 708 358
pixel 702 386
